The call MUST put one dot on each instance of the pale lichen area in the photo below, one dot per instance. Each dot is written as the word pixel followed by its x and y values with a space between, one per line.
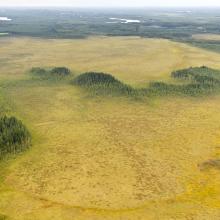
pixel 111 158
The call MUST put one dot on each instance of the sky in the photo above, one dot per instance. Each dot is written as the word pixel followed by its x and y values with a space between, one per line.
pixel 111 3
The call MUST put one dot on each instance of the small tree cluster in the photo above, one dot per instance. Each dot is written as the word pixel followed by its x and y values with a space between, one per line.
pixel 205 79
pixel 54 73
pixel 194 73
pixel 181 74
pixel 60 71
pixel 14 136
pixel 91 78
pixel 103 84
pixel 202 80
pixel 38 71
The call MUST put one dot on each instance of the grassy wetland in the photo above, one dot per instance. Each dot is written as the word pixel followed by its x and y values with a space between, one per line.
pixel 95 157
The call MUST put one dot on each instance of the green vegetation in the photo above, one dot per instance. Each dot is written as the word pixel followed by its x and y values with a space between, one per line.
pixel 212 45
pixel 191 89
pixel 37 71
pixel 91 78
pixel 171 24
pixel 201 74
pixel 192 81
pixel 200 81
pixel 54 73
pixel 102 84
pixel 60 71
pixel 14 136
pixel 168 24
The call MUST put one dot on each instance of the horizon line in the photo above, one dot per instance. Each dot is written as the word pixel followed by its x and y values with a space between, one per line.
pixel 107 7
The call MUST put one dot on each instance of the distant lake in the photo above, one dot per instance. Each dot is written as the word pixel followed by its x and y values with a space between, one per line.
pixel 123 20
pixel 3 34
pixel 5 19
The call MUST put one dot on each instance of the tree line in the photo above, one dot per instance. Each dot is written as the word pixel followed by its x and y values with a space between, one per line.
pixel 192 81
